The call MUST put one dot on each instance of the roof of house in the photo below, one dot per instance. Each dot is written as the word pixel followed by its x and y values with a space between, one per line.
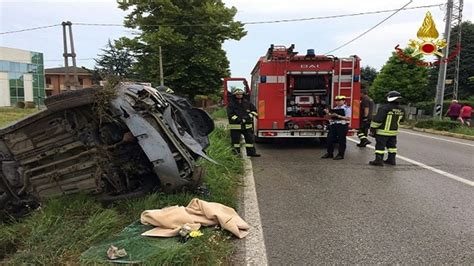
pixel 62 70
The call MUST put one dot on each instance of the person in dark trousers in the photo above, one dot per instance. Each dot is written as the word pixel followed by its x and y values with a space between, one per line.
pixel 241 113
pixel 384 127
pixel 338 128
pixel 366 109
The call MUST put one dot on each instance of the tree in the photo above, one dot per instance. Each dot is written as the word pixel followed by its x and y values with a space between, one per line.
pixel 191 34
pixel 368 75
pixel 115 61
pixel 466 67
pixel 403 76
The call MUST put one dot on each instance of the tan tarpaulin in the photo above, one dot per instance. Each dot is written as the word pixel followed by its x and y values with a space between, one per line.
pixel 198 212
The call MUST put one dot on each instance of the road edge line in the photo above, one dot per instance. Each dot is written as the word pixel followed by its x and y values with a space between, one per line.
pixel 441 172
pixel 255 251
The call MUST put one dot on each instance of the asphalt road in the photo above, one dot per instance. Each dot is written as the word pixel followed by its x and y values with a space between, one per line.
pixel 317 211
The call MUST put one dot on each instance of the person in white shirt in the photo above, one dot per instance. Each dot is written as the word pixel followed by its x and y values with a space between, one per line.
pixel 338 128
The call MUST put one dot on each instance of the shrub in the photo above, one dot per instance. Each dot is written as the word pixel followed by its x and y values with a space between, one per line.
pixel 428 105
pixel 444 125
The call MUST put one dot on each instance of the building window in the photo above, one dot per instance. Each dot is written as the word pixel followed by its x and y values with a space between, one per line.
pixel 48 81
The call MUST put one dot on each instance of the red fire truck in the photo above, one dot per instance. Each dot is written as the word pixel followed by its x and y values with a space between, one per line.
pixel 290 92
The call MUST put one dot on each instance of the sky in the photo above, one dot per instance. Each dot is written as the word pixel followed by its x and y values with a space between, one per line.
pixel 322 35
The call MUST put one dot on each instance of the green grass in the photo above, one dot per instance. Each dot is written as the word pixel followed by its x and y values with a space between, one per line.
pixel 463 130
pixel 10 114
pixel 441 125
pixel 65 227
pixel 219 113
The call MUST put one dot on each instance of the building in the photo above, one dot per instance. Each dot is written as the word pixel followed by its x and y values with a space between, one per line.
pixel 56 79
pixel 21 77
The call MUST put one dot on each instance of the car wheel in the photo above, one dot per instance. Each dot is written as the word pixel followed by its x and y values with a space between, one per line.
pixel 70 99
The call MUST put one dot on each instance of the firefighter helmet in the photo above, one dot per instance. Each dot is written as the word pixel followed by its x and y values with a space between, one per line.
pixel 236 91
pixel 340 97
pixel 165 89
pixel 393 95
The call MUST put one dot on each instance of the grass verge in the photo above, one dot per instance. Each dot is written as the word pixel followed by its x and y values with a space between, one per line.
pixel 219 113
pixel 441 125
pixel 10 114
pixel 64 227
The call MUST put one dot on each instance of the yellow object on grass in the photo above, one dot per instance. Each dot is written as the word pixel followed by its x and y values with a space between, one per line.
pixel 195 233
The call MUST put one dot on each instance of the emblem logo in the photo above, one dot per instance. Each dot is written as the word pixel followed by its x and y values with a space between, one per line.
pixel 428 42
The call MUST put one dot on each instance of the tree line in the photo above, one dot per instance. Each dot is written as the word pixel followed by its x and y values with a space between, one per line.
pixel 417 82
pixel 194 61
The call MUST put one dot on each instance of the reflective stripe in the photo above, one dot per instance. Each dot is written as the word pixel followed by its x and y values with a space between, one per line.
pixel 398 122
pixel 248 126
pixel 362 137
pixel 236 145
pixel 375 124
pixel 234 117
pixel 387 132
pixel 254 113
pixel 388 122
pixel 234 126
pixel 248 145
pixel 379 151
pixel 392 150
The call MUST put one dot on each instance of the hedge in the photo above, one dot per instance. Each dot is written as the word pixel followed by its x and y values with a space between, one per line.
pixel 429 105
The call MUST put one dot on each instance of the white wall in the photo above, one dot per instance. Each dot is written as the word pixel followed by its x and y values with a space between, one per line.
pixel 4 90
pixel 28 85
pixel 15 55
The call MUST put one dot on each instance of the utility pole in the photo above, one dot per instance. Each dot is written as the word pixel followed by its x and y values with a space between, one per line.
pixel 68 83
pixel 162 81
pixel 453 73
pixel 438 108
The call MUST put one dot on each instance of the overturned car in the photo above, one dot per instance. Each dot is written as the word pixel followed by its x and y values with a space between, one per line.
pixel 114 144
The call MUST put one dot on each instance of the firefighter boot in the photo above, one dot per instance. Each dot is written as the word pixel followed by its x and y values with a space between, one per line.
pixel 363 143
pixel 378 160
pixel 391 159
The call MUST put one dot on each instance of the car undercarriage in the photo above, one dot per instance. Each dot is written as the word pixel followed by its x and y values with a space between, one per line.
pixel 114 144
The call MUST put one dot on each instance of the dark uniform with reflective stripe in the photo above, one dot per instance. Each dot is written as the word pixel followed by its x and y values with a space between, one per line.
pixel 385 126
pixel 366 102
pixel 241 123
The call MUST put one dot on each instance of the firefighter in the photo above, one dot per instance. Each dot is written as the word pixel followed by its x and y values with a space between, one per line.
pixel 385 128
pixel 241 113
pixel 338 128
pixel 366 107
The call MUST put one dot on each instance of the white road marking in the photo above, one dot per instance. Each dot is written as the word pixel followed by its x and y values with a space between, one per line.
pixel 431 137
pixel 255 251
pixel 441 172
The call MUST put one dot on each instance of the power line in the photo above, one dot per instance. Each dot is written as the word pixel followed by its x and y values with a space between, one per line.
pixel 30 29
pixel 367 31
pixel 338 16
pixel 245 23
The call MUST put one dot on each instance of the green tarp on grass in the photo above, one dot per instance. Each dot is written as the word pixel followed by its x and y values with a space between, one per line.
pixel 140 249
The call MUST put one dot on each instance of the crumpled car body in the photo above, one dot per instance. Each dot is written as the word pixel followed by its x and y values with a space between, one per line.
pixel 114 146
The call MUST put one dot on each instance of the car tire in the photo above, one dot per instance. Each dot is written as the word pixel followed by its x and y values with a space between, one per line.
pixel 70 99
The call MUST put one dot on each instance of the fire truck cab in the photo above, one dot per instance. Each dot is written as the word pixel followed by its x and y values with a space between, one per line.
pixel 291 91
